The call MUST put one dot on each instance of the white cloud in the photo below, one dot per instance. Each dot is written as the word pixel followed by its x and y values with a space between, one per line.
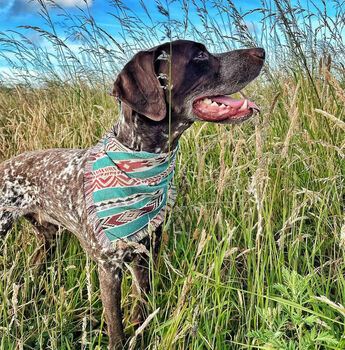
pixel 17 8
pixel 12 76
pixel 72 3
pixel 251 26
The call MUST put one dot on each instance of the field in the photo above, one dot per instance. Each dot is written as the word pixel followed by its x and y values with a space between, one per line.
pixel 254 255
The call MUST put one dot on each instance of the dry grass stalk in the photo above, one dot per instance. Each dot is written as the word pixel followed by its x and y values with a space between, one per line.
pixel 294 99
pixel 202 214
pixel 337 306
pixel 203 126
pixel 325 91
pixel 196 233
pixel 329 62
pixel 238 148
pixel 339 150
pixel 14 300
pixel 84 333
pixel 293 218
pixel 182 297
pixel 227 254
pixel 182 333
pixel 223 170
pixel 230 232
pixel 202 243
pixel 257 188
pixel 14 320
pixel 258 138
pixel 222 183
pixel 141 328
pixel 201 166
pixel 186 284
pixel 88 280
pixel 339 69
pixel 295 112
pixel 267 116
pixel 320 66
pixel 135 281
pixel 169 265
pixel 84 341
pixel 342 236
pixel 273 104
pixel 330 78
pixel 331 117
pixel 259 183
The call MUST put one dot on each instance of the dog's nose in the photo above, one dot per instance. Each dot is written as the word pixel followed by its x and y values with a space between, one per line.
pixel 258 52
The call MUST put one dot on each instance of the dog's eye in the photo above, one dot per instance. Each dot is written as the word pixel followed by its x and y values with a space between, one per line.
pixel 201 55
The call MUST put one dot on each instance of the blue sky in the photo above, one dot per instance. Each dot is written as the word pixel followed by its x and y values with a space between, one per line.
pixel 19 12
pixel 14 13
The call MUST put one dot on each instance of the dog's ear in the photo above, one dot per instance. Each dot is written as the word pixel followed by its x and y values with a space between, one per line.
pixel 138 86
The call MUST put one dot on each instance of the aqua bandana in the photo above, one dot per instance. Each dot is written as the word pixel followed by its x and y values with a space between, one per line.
pixel 127 193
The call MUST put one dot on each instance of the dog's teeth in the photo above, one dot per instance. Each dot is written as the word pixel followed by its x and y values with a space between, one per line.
pixel 214 104
pixel 222 105
pixel 207 101
pixel 244 106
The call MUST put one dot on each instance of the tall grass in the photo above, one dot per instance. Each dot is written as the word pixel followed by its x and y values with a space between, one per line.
pixel 254 257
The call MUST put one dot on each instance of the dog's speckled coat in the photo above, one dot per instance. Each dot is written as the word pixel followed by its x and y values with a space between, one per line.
pixel 46 187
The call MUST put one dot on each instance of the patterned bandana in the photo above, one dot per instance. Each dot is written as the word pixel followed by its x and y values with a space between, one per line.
pixel 127 193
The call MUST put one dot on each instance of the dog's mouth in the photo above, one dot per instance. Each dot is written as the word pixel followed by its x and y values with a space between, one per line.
pixel 221 108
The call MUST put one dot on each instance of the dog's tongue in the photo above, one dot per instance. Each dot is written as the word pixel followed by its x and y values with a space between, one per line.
pixel 217 108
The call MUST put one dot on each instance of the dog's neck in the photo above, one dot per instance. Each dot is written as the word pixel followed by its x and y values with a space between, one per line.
pixel 143 134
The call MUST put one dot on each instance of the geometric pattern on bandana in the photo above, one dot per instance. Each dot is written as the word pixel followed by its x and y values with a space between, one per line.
pixel 127 193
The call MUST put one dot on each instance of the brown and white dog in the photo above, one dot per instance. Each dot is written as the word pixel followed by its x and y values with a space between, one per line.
pixel 181 79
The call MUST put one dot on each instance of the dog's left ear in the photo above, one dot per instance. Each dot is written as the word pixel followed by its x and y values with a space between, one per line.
pixel 138 86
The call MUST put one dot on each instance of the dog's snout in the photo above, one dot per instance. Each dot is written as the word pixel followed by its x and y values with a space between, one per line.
pixel 258 52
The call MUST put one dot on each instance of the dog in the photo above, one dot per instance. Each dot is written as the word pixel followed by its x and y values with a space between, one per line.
pixel 161 93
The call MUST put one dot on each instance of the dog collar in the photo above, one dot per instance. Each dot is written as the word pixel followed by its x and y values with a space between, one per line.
pixel 128 194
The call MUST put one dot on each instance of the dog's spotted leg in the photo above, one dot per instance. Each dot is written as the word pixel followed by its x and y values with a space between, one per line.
pixel 156 244
pixel 7 219
pixel 110 284
pixel 45 236
pixel 15 196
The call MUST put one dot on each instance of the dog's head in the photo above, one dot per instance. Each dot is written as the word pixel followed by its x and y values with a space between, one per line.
pixel 195 84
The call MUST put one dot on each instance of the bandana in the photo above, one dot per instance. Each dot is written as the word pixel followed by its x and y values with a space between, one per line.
pixel 127 193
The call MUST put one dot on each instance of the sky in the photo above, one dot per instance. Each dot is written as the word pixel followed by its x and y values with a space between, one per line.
pixel 16 13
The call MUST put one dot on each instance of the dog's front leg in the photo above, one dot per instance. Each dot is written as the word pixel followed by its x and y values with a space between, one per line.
pixel 110 283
